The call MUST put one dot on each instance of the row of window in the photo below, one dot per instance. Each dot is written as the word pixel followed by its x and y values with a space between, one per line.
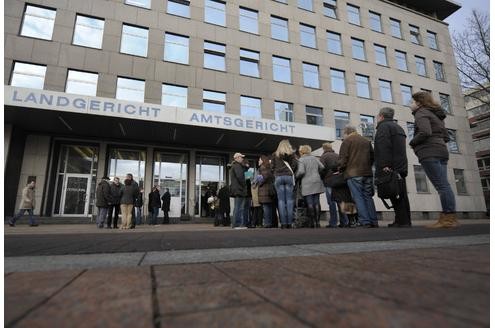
pixel 422 183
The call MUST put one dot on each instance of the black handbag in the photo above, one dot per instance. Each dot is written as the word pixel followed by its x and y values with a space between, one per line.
pixel 388 186
pixel 337 181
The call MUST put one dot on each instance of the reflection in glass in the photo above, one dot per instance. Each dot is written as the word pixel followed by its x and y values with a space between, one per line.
pixel 214 56
pixel 308 35
pixel 179 8
pixel 28 76
pixel 341 120
pixel 248 20
pixel 213 101
pixel 81 83
pixel 337 79
pixel 311 76
pixel 209 177
pixel 284 111
pixel 75 195
pixel 88 32
pixel 215 12
pixel 38 22
pixel 250 107
pixel 130 89
pixel 173 95
pixel 170 171
pixel 281 69
pixel 280 28
pixel 123 161
pixel 176 48
pixel 249 63
pixel 362 86
pixel 134 40
pixel 334 43
pixel 139 3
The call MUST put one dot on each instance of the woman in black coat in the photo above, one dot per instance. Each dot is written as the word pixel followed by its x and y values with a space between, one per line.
pixel 154 204
pixel 166 205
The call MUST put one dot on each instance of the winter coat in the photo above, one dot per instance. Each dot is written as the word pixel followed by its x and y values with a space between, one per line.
pixel 139 200
pixel 356 156
pixel 308 170
pixel 154 200
pixel 266 189
pixel 430 134
pixel 330 160
pixel 166 201
pixel 280 169
pixel 390 147
pixel 224 198
pixel 28 198
pixel 103 196
pixel 115 193
pixel 238 187
pixel 130 192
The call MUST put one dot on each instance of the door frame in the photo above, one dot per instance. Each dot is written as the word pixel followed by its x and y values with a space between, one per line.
pixel 64 193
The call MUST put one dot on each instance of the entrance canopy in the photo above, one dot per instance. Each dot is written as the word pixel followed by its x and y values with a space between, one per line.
pixel 59 113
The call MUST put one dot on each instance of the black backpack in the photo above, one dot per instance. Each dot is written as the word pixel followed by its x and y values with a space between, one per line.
pixel 388 186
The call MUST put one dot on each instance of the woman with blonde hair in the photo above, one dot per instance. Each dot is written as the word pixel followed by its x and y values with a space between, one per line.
pixel 430 136
pixel 308 171
pixel 283 165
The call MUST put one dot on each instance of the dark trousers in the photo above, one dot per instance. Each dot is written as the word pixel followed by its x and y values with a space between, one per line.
pixel 401 205
pixel 166 219
pixel 115 216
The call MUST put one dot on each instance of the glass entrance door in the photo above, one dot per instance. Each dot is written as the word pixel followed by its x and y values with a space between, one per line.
pixel 123 161
pixel 210 174
pixel 76 194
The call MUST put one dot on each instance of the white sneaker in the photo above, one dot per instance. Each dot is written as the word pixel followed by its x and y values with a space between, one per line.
pixel 240 228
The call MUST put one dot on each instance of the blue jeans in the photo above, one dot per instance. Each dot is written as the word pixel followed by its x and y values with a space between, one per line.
pixel 332 205
pixel 21 213
pixel 154 215
pixel 362 192
pixel 284 185
pixel 102 216
pixel 267 215
pixel 239 212
pixel 247 217
pixel 436 171
pixel 138 215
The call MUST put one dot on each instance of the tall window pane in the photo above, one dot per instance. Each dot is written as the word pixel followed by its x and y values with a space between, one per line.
pixel 305 4
pixel 28 76
pixel 406 92
pixel 38 22
pixel 337 80
pixel 214 101
pixel 330 8
pixel 81 83
pixel 460 183
pixel 314 115
pixel 280 28
pixel 179 8
pixel 375 22
pixel 358 49
pixel 134 40
pixel 176 48
pixel 334 43
pixel 341 120
pixel 410 131
pixel 438 71
pixel 420 66
pixel 367 126
pixel 214 56
pixel 385 91
pixel 248 20
pixel 174 95
pixel 401 60
pixel 414 33
pixel 139 3
pixel 353 15
pixel 88 32
pixel 395 29
pixel 281 69
pixel 420 177
pixel 130 89
pixel 250 107
pixel 432 40
pixel 445 102
pixel 308 35
pixel 380 55
pixel 311 76
pixel 249 63
pixel 215 12
pixel 284 111
pixel 363 86
pixel 452 144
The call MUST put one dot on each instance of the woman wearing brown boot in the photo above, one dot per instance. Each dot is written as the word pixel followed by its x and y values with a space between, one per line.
pixel 430 136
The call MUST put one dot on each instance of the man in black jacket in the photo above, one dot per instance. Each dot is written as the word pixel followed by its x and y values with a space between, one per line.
pixel 238 190
pixel 390 155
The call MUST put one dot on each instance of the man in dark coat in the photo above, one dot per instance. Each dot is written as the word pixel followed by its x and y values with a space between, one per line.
pixel 238 190
pixel 355 159
pixel 154 204
pixel 115 193
pixel 103 201
pixel 166 206
pixel 390 155
pixel 224 198
pixel 135 188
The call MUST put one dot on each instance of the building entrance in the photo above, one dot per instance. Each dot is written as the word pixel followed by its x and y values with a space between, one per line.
pixel 75 200
pixel 210 175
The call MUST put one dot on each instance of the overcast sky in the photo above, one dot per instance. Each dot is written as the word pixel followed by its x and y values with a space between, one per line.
pixel 457 21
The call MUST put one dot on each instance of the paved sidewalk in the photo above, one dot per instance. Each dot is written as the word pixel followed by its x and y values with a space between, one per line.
pixel 430 287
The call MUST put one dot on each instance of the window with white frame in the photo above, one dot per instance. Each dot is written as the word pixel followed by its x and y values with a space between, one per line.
pixel 305 4
pixel 406 91
pixel 334 43
pixel 380 55
pixel 439 74
pixel 28 75
pixel 130 89
pixel 88 32
pixel 81 83
pixel 281 69
pixel 249 63
pixel 337 80
pixel 139 3
pixel 363 86
pixel 38 22
pixel 179 8
pixel 280 28
pixel 174 95
pixel 314 115
pixel 284 111
pixel 385 90
pixel 452 145
pixel 353 15
pixel 215 12
pixel 415 37
pixel 307 34
pixel 375 22
pixel 395 28
pixel 248 20
pixel 358 51
pixel 460 182
pixel 445 103
pixel 432 40
pixel 176 48
pixel 367 126
pixel 420 65
pixel 311 78
pixel 134 40
pixel 342 119
pixel 421 180
pixel 214 101
pixel 330 8
pixel 214 56
pixel 401 60
pixel 250 107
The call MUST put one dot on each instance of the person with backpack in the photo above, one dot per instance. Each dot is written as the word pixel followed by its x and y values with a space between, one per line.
pixel 391 158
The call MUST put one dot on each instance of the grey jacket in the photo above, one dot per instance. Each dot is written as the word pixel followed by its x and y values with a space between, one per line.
pixel 130 192
pixel 309 169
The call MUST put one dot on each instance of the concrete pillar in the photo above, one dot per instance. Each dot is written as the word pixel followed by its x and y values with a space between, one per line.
pixel 102 155
pixel 148 176
pixel 191 183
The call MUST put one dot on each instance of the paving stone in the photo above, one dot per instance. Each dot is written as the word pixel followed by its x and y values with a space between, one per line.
pixel 187 274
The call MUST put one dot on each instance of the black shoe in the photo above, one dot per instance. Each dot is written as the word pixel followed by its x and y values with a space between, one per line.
pixel 407 225
pixel 374 225
pixel 33 225
pixel 109 227
pixel 393 225
pixel 330 226
pixel 12 224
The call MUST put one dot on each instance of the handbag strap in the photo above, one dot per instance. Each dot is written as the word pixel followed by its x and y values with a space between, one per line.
pixel 386 204
pixel 291 171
